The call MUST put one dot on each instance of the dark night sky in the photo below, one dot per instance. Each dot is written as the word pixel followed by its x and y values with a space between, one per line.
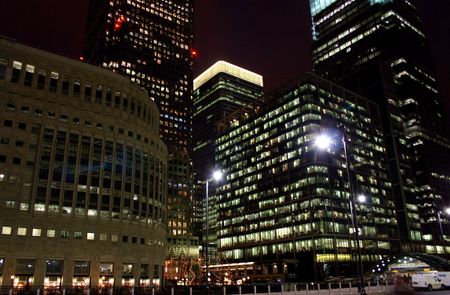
pixel 270 37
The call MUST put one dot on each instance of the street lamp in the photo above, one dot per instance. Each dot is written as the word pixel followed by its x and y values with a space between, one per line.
pixel 324 141
pixel 361 198
pixel 217 176
pixel 447 211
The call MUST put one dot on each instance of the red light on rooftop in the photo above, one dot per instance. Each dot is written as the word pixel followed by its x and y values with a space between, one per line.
pixel 81 58
pixel 194 53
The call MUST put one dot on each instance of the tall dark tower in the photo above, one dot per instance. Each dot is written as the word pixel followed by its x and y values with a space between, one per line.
pixel 219 91
pixel 150 42
pixel 378 48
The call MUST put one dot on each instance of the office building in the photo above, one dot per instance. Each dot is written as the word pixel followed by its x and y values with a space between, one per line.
pixel 284 205
pixel 220 90
pixel 378 48
pixel 150 42
pixel 83 175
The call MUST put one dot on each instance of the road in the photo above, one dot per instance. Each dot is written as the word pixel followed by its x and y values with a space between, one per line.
pixel 382 290
pixel 443 292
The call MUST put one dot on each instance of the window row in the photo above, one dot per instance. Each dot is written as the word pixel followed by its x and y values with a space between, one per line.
pixel 14 160
pixel 77 121
pixel 55 82
pixel 26 269
pixel 78 235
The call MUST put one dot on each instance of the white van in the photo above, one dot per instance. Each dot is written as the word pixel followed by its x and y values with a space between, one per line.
pixel 427 280
pixel 444 276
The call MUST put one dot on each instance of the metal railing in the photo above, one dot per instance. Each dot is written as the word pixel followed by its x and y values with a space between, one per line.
pixel 326 288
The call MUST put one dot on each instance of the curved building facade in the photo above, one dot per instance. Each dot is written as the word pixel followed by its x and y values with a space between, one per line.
pixel 83 175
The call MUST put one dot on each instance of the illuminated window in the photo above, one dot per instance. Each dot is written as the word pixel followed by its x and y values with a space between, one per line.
pixel 6 230
pixel 29 71
pixel 17 67
pixel 106 268
pixel 22 231
pixel 36 232
pixel 51 233
pixel 53 81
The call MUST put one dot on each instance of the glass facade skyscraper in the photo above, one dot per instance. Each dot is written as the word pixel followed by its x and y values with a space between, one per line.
pixel 150 42
pixel 284 204
pixel 378 48
pixel 220 90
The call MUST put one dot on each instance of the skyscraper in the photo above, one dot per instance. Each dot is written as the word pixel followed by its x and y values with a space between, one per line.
pixel 150 42
pixel 378 48
pixel 284 205
pixel 220 90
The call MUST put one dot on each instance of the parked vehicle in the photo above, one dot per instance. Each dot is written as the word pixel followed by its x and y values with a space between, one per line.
pixel 444 276
pixel 428 280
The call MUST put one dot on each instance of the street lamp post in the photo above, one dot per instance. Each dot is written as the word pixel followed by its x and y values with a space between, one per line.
pixel 440 224
pixel 447 211
pixel 217 175
pixel 323 142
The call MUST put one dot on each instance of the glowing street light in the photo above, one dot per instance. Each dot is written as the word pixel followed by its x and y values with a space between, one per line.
pixel 323 142
pixel 361 198
pixel 216 176
pixel 439 213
